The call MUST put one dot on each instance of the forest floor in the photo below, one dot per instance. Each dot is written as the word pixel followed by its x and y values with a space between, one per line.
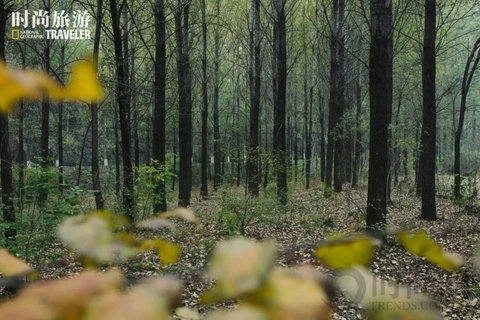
pixel 305 222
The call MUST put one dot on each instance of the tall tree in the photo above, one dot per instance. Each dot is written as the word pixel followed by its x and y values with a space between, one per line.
pixel 333 99
pixel 45 114
pixel 5 154
pixel 429 128
pixel 123 97
pixel 280 97
pixel 468 73
pixel 181 13
pixel 381 91
pixel 217 177
pixel 204 164
pixel 158 141
pixel 340 83
pixel 94 113
pixel 254 77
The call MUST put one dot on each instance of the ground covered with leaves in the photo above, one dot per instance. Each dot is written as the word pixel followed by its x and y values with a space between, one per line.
pixel 299 227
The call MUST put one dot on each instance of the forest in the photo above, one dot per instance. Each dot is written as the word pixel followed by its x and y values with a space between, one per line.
pixel 222 159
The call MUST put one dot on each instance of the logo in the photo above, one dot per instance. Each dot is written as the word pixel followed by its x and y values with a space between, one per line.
pixel 376 294
pixel 55 25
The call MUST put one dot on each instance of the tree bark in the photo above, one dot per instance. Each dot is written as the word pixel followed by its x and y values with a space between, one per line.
pixel 181 13
pixel 158 141
pixel 254 76
pixel 381 87
pixel 123 97
pixel 6 177
pixel 429 210
pixel 45 117
pixel 97 191
pixel 217 153
pixel 467 80
pixel 280 90
pixel 204 164
pixel 339 155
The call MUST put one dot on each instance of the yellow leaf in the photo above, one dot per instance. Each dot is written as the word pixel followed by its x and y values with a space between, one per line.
pixel 240 266
pixel 340 253
pixel 32 84
pixel 17 84
pixel 84 84
pixel 420 244
pixel 285 296
pixel 11 265
pixel 167 252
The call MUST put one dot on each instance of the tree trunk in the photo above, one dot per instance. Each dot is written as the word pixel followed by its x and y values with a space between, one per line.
pixel 94 111
pixel 6 198
pixel 204 165
pixel 254 77
pixel 117 156
pixel 338 161
pixel 45 117
pixel 333 99
pixel 123 98
pixel 60 126
pixel 181 13
pixel 381 61
pixel 217 153
pixel 467 80
pixel 280 90
pixel 308 140
pixel 158 141
pixel 429 210
pixel 358 131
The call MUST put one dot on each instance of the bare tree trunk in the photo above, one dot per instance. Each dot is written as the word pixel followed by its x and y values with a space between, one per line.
pixel 158 141
pixel 280 91
pixel 204 172
pixel 358 114
pixel 217 153
pixel 381 87
pixel 308 140
pixel 45 116
pixel 60 126
pixel 254 81
pixel 123 98
pixel 339 162
pixel 181 13
pixel 333 99
pixel 467 80
pixel 429 209
pixel 6 199
pixel 21 139
pixel 117 156
pixel 94 111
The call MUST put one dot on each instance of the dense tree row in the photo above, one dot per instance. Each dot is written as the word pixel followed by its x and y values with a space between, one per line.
pixel 253 93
